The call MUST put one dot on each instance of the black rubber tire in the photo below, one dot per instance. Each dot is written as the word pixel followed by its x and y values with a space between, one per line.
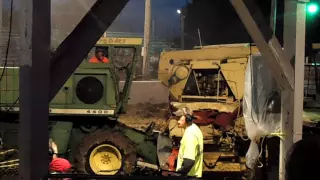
pixel 115 138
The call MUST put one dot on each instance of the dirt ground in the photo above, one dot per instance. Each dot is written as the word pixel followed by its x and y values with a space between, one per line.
pixel 141 115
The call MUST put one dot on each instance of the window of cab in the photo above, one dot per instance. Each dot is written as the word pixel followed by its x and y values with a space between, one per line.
pixel 99 54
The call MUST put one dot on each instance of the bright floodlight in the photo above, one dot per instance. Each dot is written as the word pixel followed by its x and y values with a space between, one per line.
pixel 312 8
pixel 179 11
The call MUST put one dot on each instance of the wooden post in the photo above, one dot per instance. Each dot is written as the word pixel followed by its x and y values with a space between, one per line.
pixel 292 102
pixel 35 33
pixel 299 71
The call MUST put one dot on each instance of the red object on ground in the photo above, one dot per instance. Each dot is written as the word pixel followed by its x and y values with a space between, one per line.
pixel 60 165
pixel 172 158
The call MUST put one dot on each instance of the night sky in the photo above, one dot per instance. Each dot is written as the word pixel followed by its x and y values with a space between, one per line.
pixel 164 14
pixel 217 17
pixel 131 19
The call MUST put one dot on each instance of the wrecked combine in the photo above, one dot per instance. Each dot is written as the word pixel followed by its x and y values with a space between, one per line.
pixel 235 99
pixel 210 80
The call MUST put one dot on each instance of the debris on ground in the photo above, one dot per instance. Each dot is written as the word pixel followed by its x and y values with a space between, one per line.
pixel 140 116
pixel 8 162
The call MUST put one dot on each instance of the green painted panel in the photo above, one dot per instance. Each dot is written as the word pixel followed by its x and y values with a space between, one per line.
pixel 146 148
pixel 60 134
pixel 8 97
pixel 9 86
pixel 10 83
pixel 65 94
pixel 66 101
pixel 10 71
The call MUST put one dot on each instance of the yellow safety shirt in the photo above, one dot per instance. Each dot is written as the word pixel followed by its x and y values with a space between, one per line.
pixel 191 147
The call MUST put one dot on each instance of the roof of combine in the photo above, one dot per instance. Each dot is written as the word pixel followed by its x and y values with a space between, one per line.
pixel 119 41
pixel 213 52
pixel 224 45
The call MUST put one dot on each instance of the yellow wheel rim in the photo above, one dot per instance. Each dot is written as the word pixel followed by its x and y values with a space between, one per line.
pixel 105 160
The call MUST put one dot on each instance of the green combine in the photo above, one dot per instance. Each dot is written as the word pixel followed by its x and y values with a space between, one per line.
pixel 84 113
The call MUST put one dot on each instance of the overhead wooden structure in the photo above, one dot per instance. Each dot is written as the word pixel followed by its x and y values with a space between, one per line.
pixel 291 80
pixel 41 76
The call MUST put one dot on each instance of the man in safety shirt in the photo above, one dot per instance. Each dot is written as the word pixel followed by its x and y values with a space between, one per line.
pixel 190 158
pixel 99 57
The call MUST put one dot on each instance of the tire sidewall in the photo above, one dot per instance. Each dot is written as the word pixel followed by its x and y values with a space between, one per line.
pixel 112 137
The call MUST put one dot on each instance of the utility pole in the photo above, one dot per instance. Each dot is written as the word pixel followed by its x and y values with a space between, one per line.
pixel 147 22
pixel 273 16
pixel 1 40
pixel 153 29
pixel 182 17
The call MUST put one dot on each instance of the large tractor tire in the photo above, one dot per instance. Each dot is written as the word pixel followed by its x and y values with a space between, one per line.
pixel 105 153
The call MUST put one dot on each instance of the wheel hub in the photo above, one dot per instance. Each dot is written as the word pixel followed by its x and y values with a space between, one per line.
pixel 105 159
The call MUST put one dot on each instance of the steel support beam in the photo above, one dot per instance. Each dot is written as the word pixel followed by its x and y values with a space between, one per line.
pixel 77 45
pixel 35 35
pixel 267 43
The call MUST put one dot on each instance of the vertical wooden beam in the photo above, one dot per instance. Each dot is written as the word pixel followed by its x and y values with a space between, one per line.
pixel 289 27
pixel 286 129
pixel 299 70
pixel 147 25
pixel 35 32
pixel 294 47
pixel 287 101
